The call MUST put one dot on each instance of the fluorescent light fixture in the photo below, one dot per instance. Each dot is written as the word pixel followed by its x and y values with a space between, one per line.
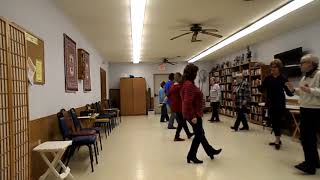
pixel 137 19
pixel 286 9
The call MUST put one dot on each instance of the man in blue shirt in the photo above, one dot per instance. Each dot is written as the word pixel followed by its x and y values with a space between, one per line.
pixel 167 87
pixel 162 101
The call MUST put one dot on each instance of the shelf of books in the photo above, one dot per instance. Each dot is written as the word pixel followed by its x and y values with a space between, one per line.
pixel 251 71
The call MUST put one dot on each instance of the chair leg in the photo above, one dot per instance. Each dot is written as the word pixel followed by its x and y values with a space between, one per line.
pixel 95 151
pixel 91 157
pixel 105 130
pixel 71 152
pixel 100 140
pixel 96 147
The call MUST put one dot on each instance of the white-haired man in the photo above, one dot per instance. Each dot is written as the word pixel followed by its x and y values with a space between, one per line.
pixel 309 92
pixel 242 99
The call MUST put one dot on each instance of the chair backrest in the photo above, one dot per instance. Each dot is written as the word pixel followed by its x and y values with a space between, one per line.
pixel 75 119
pixel 98 107
pixel 68 120
pixel 63 126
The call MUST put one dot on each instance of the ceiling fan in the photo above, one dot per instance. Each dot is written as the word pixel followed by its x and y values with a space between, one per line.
pixel 168 61
pixel 196 29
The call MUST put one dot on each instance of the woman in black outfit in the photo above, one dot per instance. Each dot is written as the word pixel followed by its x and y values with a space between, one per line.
pixel 275 87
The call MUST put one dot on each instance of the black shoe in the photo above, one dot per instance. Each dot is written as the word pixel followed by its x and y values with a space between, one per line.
pixel 277 146
pixel 215 152
pixel 172 128
pixel 244 128
pixel 178 139
pixel 194 160
pixel 304 164
pixel 273 143
pixel 304 168
pixel 235 129
pixel 190 135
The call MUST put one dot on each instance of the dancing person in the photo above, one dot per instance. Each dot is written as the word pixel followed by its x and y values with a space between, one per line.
pixel 192 110
pixel 275 87
pixel 309 93
pixel 167 87
pixel 176 107
pixel 215 96
pixel 242 98
pixel 162 102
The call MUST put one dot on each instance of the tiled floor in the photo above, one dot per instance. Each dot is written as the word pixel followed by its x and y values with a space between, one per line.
pixel 143 149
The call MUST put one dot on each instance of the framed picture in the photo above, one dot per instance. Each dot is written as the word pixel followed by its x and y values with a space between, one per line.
pixel 70 64
pixel 84 69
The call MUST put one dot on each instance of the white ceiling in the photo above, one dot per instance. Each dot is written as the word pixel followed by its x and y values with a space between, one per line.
pixel 106 24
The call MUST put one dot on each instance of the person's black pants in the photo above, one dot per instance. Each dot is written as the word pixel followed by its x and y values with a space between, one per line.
pixel 181 124
pixel 164 113
pixel 215 111
pixel 308 128
pixel 276 115
pixel 199 137
pixel 241 117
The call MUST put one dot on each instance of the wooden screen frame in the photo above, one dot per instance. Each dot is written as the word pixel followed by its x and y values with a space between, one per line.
pixel 18 102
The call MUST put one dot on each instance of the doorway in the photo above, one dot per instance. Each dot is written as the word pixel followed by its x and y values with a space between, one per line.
pixel 103 83
pixel 157 79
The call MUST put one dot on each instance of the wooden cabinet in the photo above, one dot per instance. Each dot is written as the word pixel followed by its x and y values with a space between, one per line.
pixel 133 96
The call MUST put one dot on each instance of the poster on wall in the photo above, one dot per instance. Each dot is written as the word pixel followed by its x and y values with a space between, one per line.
pixel 70 64
pixel 84 67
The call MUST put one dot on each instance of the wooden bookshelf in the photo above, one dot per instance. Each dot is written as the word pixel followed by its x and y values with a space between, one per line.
pixel 251 71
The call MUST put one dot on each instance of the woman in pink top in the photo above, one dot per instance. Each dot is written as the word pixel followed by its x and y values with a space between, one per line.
pixel 192 110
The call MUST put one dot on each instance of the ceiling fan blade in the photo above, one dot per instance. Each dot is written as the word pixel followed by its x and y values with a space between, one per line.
pixel 211 34
pixel 180 35
pixel 171 63
pixel 212 30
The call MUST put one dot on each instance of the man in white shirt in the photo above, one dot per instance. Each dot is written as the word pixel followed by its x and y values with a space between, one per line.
pixel 309 92
pixel 215 95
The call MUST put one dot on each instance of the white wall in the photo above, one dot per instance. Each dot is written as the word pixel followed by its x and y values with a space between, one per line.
pixel 147 71
pixel 42 18
pixel 306 37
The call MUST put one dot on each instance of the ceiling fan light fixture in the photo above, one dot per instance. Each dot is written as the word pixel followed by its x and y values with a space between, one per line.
pixel 137 20
pixel 277 14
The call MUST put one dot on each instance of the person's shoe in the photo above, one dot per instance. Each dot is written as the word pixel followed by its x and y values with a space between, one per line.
pixel 212 121
pixel 274 143
pixel 277 146
pixel 235 129
pixel 304 163
pixel 244 128
pixel 172 128
pixel 304 168
pixel 178 139
pixel 194 160
pixel 215 152
pixel 190 135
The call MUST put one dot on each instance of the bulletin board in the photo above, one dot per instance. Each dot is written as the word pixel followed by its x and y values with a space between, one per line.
pixel 35 52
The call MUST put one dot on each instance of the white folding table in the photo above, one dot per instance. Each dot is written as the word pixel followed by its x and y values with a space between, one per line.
pixel 56 148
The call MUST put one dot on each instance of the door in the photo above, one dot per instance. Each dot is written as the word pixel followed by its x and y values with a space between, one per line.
pixel 103 83
pixel 157 79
